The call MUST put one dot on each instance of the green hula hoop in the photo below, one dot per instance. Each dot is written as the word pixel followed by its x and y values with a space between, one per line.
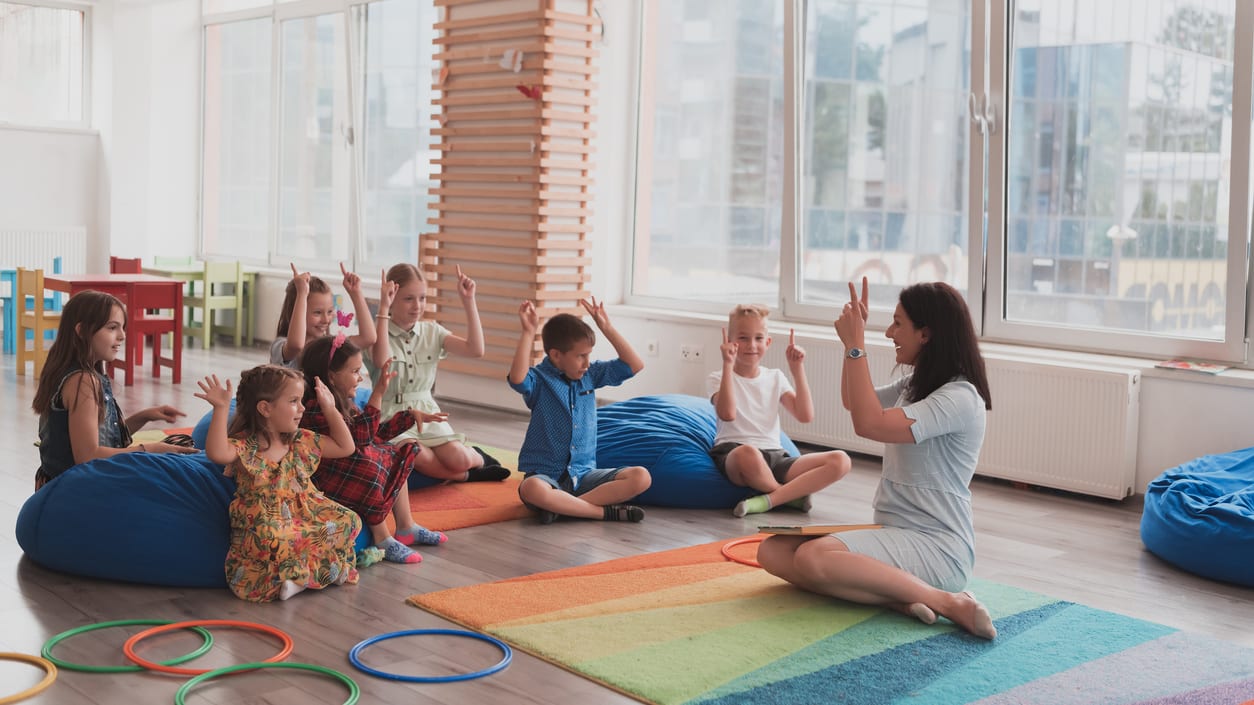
pixel 47 650
pixel 354 692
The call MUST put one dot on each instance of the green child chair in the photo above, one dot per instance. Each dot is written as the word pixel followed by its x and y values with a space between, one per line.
pixel 212 297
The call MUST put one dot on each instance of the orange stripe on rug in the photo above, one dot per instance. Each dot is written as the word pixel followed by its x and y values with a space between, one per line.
pixel 508 601
pixel 692 555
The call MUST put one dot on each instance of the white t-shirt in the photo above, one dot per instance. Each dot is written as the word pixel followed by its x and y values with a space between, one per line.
pixel 757 408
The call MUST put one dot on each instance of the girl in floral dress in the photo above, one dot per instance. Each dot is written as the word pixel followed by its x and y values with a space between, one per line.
pixel 286 536
pixel 373 480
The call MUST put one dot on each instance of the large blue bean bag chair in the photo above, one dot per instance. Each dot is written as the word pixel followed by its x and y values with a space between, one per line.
pixel 1200 516
pixel 670 435
pixel 136 517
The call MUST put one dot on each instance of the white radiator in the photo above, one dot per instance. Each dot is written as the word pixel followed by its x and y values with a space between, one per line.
pixel 1063 426
pixel 35 248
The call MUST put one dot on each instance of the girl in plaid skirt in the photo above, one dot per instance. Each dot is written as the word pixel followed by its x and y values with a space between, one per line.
pixel 373 481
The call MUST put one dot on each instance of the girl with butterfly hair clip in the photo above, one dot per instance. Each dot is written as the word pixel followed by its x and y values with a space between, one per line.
pixel 373 480
pixel 413 348
pixel 309 310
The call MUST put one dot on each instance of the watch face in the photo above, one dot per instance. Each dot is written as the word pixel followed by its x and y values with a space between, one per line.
pixel 856 353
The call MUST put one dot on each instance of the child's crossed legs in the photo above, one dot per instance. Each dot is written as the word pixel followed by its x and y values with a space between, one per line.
pixel 782 481
pixel 597 496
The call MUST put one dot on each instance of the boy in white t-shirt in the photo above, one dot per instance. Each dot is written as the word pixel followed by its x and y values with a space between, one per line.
pixel 747 397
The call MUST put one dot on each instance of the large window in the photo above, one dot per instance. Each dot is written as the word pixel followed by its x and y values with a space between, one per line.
pixel 317 131
pixel 42 65
pixel 236 167
pixel 1070 167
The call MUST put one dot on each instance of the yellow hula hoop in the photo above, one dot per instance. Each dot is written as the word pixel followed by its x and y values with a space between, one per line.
pixel 50 675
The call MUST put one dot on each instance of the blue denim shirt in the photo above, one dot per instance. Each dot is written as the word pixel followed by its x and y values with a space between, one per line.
pixel 55 454
pixel 562 436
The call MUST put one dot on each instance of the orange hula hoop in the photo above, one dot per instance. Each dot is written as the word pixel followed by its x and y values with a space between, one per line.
pixel 727 547
pixel 129 647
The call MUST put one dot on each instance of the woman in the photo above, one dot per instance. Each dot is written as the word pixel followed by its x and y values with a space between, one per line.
pixel 932 422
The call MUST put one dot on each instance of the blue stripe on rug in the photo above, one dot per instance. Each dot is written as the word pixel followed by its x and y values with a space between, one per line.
pixel 958 668
pixel 1177 668
pixel 1070 637
pixel 897 672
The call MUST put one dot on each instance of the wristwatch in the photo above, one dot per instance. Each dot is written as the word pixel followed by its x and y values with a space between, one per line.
pixel 855 353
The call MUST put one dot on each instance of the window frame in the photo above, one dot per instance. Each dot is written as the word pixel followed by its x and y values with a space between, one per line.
pixel 989 74
pixel 84 123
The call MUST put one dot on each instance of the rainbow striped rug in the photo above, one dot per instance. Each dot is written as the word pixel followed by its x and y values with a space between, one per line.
pixel 688 626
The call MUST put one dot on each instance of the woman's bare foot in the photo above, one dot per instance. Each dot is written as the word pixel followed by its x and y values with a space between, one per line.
pixel 972 616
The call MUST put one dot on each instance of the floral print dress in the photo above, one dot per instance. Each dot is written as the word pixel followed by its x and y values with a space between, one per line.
pixel 282 527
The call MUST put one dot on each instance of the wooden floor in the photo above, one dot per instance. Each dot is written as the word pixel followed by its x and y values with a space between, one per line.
pixel 1072 548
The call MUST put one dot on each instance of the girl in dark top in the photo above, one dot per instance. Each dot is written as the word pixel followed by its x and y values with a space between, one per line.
pixel 79 420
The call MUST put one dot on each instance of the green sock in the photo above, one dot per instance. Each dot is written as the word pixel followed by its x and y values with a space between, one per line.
pixel 753 505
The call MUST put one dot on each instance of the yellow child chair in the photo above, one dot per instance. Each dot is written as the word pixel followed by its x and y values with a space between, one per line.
pixel 32 316
pixel 213 297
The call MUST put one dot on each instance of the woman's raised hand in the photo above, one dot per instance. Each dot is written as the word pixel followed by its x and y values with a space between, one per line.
pixel 851 326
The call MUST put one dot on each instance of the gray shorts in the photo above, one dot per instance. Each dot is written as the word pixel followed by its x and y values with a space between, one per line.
pixel 922 555
pixel 777 459
pixel 589 481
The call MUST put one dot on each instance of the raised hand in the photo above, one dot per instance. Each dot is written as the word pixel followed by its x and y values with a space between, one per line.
pixel 352 282
pixel 301 279
pixel 213 391
pixel 851 326
pixel 386 375
pixel 326 400
pixel 528 317
pixel 465 285
pixel 387 292
pixel 728 349
pixel 795 354
pixel 596 309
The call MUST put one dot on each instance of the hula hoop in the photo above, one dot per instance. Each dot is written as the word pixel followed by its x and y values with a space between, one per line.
pixel 727 547
pixel 50 675
pixel 129 647
pixel 47 650
pixel 354 692
pixel 354 656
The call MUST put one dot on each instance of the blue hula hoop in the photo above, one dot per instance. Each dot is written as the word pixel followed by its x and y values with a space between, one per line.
pixel 354 656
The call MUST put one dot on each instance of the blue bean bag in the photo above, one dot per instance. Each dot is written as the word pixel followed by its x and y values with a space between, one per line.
pixel 1200 516
pixel 137 517
pixel 670 435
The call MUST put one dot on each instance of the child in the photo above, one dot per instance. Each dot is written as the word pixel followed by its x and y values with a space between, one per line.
pixel 286 536
pixel 373 480
pixel 308 311
pixel 747 397
pixel 415 348
pixel 559 452
pixel 79 420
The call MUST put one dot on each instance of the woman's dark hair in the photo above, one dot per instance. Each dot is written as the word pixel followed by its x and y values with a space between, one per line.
pixel 952 349
pixel 261 383
pixel 317 360
pixel 316 286
pixel 83 316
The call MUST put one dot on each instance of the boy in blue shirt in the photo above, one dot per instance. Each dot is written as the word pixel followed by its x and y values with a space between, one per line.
pixel 558 455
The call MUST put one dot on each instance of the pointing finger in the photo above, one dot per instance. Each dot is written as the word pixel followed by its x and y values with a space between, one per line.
pixel 294 272
pixel 343 270
pixel 865 297
pixel 792 337
pixel 459 272
pixel 853 294
pixel 724 334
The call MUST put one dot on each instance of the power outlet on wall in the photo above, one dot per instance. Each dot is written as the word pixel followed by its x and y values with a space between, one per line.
pixel 690 352
pixel 650 348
